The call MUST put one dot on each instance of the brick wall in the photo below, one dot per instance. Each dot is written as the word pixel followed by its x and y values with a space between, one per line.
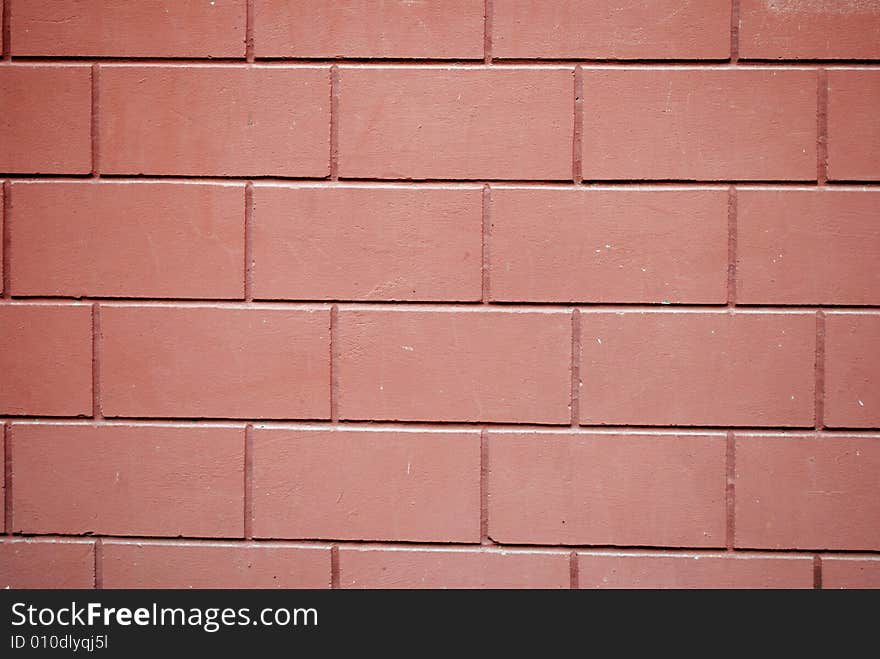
pixel 550 294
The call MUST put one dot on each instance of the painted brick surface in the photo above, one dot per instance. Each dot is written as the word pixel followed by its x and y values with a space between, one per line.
pixel 214 565
pixel 646 123
pixel 150 480
pixel 608 245
pixel 127 240
pixel 853 130
pixel 809 29
pixel 646 570
pixel 808 247
pixel 169 361
pixel 601 489
pixel 46 119
pixel 605 29
pixel 852 370
pixel 452 29
pixel 388 243
pixel 214 120
pixel 36 563
pixel 367 485
pixel 454 366
pixel 697 368
pixel 807 492
pixel 452 568
pixel 110 28
pixel 850 572
pixel 443 123
pixel 459 294
pixel 46 359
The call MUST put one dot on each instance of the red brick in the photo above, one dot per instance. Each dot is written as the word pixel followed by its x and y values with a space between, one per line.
pixel 452 29
pixel 3 484
pixel 697 368
pixel 214 565
pixel 852 370
pixel 451 568
pixel 215 120
pixel 3 256
pixel 46 359
pixel 609 29
pixel 690 124
pixel 413 365
pixel 110 28
pixel 693 571
pixel 456 123
pixel 853 129
pixel 845 572
pixel 221 362
pixel 367 243
pixel 808 492
pixel 808 247
pixel 46 564
pixel 127 240
pixel 128 480
pixel 809 29
pixel 46 119
pixel 607 489
pixel 554 245
pixel 366 485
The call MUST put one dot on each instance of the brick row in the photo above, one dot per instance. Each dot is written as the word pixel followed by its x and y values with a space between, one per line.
pixel 186 240
pixel 69 563
pixel 507 123
pixel 636 367
pixel 109 28
pixel 520 29
pixel 792 491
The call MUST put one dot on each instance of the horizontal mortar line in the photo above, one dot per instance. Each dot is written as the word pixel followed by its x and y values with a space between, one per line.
pixel 343 181
pixel 317 305
pixel 833 308
pixel 598 62
pixel 497 62
pixel 561 428
pixel 837 62
pixel 440 545
pixel 707 65
pixel 720 62
pixel 445 305
pixel 110 59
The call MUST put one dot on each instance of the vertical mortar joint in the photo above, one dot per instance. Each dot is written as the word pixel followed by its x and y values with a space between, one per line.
pixel 487 31
pixel 485 266
pixel 248 482
pixel 576 349
pixel 822 127
pixel 732 210
pixel 820 371
pixel 334 367
pixel 734 30
pixel 334 567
